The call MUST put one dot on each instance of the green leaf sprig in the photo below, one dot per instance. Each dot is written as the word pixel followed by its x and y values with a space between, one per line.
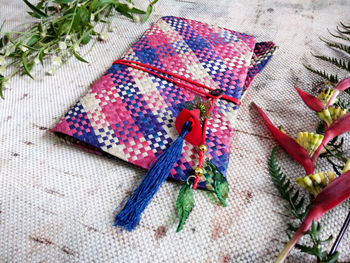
pixel 298 210
pixel 60 29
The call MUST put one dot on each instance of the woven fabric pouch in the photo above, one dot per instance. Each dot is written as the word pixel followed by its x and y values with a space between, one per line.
pixel 130 113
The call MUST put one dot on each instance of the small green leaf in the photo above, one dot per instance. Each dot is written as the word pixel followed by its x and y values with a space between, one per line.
pixel 41 57
pixel 25 65
pixel 63 1
pixel 221 187
pixel 2 79
pixel 84 15
pixel 35 9
pixel 33 40
pixel 326 241
pixel 333 258
pixel 184 205
pixel 124 10
pixel 148 13
pixel 137 11
pixel 40 28
pixel 79 57
pixel 64 27
pixel 86 38
pixel 110 2
pixel 30 66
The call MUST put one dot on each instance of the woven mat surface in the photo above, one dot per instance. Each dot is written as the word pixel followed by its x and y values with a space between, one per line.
pixel 57 202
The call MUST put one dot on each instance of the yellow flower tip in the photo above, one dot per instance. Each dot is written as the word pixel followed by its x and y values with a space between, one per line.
pixel 307 180
pixel 300 181
pixel 323 178
pixel 325 94
pixel 316 177
pixel 309 141
pixel 331 176
pixel 347 166
pixel 315 183
pixel 331 114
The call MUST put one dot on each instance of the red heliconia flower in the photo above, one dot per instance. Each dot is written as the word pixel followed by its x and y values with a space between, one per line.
pixel 312 102
pixel 337 128
pixel 332 195
pixel 341 86
pixel 317 104
pixel 296 151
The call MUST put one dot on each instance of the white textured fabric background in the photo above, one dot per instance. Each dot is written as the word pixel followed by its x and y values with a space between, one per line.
pixel 57 202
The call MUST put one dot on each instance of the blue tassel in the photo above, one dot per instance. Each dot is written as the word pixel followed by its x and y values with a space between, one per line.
pixel 129 217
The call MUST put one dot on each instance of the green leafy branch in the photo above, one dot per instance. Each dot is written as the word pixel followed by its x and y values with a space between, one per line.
pixel 296 206
pixel 60 29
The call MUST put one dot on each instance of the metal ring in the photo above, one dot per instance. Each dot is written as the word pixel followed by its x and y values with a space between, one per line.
pixel 188 178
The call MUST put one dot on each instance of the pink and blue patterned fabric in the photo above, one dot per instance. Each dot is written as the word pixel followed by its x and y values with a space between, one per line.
pixel 130 114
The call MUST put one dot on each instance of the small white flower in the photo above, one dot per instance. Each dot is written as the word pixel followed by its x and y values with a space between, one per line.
pixel 92 17
pixel 136 18
pixel 57 7
pixel 43 34
pixel 2 69
pixel 62 45
pixel 79 5
pixel 23 48
pixel 102 36
pixel 57 61
pixel 68 37
pixel 6 83
pixel 2 60
pixel 36 60
pixel 111 28
pixel 130 5
pixel 76 48
pixel 51 71
pixel 10 49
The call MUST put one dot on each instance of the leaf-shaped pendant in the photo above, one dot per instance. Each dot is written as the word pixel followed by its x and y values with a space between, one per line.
pixel 184 205
pixel 220 183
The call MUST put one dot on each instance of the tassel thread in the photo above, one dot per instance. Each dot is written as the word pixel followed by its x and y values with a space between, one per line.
pixel 129 217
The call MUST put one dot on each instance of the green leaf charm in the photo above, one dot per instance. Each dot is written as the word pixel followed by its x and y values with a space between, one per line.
pixel 220 182
pixel 184 205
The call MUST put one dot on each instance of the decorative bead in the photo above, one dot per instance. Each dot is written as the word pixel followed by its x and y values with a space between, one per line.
pixel 199 171
pixel 203 148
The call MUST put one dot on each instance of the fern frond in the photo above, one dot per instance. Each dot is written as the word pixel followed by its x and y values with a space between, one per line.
pixel 343 32
pixel 291 196
pixel 284 187
pixel 336 45
pixel 330 77
pixel 340 36
pixel 340 63
pixel 344 26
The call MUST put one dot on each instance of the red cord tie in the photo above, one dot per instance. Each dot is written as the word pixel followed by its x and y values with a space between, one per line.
pixel 147 68
pixel 197 135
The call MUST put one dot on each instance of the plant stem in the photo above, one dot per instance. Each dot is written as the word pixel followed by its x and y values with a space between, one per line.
pixel 340 235
pixel 290 245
